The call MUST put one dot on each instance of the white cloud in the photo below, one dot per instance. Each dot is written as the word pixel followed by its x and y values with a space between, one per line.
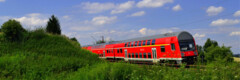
pixel 237 13
pixel 140 13
pixel 212 10
pixel 2 0
pixel 224 22
pixel 66 17
pixel 97 7
pixel 5 18
pixel 199 35
pixel 236 33
pixel 153 3
pixel 143 31
pixel 177 8
pixel 32 20
pixel 123 7
pixel 101 20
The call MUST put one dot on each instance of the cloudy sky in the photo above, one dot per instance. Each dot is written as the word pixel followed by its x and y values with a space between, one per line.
pixel 124 19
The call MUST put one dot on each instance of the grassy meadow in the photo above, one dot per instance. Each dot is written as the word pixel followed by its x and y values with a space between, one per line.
pixel 236 59
pixel 55 57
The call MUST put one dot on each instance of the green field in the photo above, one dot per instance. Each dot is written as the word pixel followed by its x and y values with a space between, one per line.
pixel 237 59
pixel 55 57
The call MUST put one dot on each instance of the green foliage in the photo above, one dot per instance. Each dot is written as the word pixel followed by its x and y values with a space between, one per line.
pixel 201 54
pixel 211 52
pixel 124 71
pixel 200 50
pixel 223 54
pixel 53 25
pixel 13 30
pixel 74 39
pixel 209 43
pixel 42 55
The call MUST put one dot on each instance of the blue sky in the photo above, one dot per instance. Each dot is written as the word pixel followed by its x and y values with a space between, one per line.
pixel 124 19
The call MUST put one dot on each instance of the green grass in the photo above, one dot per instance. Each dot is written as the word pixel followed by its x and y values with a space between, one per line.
pixel 42 55
pixel 54 57
pixel 123 71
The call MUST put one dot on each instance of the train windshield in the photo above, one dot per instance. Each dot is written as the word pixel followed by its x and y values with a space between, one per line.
pixel 187 46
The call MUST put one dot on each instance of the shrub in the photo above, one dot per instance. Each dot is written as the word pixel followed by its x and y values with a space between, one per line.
pixel 223 54
pixel 12 30
pixel 53 26
pixel 74 39
pixel 38 34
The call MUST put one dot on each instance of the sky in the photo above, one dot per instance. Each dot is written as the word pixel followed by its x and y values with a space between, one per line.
pixel 88 20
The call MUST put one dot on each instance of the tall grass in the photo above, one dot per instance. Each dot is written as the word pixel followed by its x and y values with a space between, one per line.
pixel 41 55
pixel 123 71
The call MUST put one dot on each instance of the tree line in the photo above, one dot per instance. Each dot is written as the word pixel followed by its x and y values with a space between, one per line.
pixel 212 52
pixel 13 30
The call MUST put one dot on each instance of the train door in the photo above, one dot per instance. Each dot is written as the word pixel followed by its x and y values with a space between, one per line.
pixel 103 53
pixel 154 53
pixel 126 55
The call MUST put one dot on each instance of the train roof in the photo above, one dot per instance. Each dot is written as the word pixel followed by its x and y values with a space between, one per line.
pixel 182 35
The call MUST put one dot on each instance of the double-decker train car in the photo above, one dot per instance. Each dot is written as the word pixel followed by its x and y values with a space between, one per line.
pixel 177 46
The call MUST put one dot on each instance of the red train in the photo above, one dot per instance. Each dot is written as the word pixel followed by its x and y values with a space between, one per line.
pixel 177 46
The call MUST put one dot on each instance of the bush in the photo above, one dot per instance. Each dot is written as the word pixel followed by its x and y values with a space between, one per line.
pixel 223 54
pixel 13 30
pixel 38 34
pixel 53 26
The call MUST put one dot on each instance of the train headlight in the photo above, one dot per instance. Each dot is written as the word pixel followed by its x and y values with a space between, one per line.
pixel 195 53
pixel 182 54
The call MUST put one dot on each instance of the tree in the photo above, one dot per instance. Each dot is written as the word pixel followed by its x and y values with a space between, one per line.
pixel 53 25
pixel 13 30
pixel 74 39
pixel 223 54
pixel 201 54
pixel 213 52
pixel 209 43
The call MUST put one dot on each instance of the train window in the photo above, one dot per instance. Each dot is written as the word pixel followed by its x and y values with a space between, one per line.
pixel 139 43
pixel 128 44
pixel 144 55
pixel 129 55
pixel 149 55
pixel 132 44
pixel 136 42
pixel 162 48
pixel 136 55
pixel 148 42
pixel 125 44
pixel 144 42
pixel 120 50
pixel 153 42
pixel 132 55
pixel 117 50
pixel 140 55
pixel 173 47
